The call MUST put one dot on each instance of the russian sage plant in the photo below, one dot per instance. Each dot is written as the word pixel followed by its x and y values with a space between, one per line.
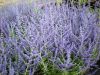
pixel 66 37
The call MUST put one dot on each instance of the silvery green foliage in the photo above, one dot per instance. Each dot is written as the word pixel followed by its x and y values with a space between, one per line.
pixel 64 35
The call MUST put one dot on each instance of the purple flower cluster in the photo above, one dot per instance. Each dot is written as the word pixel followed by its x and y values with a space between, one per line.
pixel 64 35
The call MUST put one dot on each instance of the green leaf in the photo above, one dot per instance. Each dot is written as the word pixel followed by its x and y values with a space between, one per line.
pixel 95 53
pixel 83 2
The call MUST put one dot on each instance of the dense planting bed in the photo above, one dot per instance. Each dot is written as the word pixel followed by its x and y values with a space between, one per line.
pixel 51 40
